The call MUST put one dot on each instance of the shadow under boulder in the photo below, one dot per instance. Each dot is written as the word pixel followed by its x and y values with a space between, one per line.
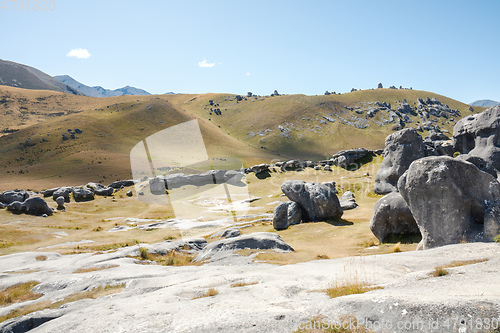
pixel 391 217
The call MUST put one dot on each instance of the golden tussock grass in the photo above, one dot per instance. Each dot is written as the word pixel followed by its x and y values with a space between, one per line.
pixel 209 293
pixel 92 293
pixel 19 293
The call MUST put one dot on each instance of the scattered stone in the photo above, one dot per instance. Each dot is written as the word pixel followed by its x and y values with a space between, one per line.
pixel 452 201
pixel 317 201
pixel 60 203
pixel 129 193
pixel 392 216
pixel 286 214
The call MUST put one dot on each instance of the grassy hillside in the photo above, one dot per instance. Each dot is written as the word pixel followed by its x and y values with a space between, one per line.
pixel 310 136
pixel 34 155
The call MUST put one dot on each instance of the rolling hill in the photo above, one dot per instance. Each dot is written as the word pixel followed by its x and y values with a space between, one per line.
pixel 99 91
pixel 21 76
pixel 41 148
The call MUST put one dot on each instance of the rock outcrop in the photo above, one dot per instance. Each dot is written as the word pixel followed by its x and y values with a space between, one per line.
pixel 32 206
pixel 451 201
pixel 479 135
pixel 286 214
pixel 401 149
pixel 62 192
pixel 82 194
pixel 317 201
pixel 347 201
pixel 8 197
pixel 346 158
pixel 392 216
pixel 256 240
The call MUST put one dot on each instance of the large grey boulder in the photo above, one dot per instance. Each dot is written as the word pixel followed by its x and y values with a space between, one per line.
pixel 452 201
pixel 401 149
pixel 256 241
pixel 62 192
pixel 81 194
pixel 392 216
pixel 317 201
pixel 8 197
pixel 33 206
pixel 346 158
pixel 479 135
pixel 286 214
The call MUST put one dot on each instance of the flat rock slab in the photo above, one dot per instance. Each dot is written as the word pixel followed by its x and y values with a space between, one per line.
pixel 276 298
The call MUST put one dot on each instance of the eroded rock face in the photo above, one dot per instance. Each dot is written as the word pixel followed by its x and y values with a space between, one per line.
pixel 401 149
pixel 451 200
pixel 82 194
pixel 286 214
pixel 345 158
pixel 8 197
pixel 33 206
pixel 317 201
pixel 392 216
pixel 256 240
pixel 62 192
pixel 479 135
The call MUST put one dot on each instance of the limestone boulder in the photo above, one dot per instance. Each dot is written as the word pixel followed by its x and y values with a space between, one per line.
pixel 451 200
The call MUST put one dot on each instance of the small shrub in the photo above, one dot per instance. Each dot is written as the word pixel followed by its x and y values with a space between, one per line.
pixel 322 256
pixel 143 253
pixel 349 288
pixel 397 247
pixel 439 271
pixel 497 239
pixel 455 154
pixel 209 293
pixel 41 258
pixel 98 228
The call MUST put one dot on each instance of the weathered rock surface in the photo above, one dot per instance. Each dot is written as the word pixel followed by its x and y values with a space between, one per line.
pixel 346 158
pixel 348 201
pixel 451 201
pixel 60 203
pixel 100 189
pixel 8 197
pixel 81 193
pixel 256 240
pixel 62 192
pixel 286 214
pixel 278 298
pixel 401 149
pixel 317 201
pixel 392 216
pixel 479 135
pixel 32 206
pixel 227 233
pixel 122 183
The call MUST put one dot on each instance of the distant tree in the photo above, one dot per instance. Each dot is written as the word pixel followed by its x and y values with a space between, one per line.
pixel 400 87
pixel 380 86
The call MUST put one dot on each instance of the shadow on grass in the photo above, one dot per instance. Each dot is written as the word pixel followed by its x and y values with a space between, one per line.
pixel 339 222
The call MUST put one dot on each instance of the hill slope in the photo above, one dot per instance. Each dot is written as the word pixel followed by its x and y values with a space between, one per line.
pixel 17 75
pixel 254 130
pixel 99 91
pixel 485 103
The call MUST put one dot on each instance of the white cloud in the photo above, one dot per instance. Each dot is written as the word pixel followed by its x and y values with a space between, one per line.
pixel 204 63
pixel 247 74
pixel 79 53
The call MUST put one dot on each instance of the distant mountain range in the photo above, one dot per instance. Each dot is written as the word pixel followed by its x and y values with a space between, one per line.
pixel 99 91
pixel 485 103
pixel 21 76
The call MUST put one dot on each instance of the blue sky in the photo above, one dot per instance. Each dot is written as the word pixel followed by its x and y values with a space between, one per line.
pixel 307 47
